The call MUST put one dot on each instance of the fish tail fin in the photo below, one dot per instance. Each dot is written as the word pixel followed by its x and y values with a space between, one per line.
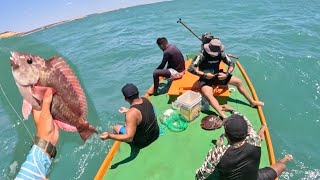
pixel 86 130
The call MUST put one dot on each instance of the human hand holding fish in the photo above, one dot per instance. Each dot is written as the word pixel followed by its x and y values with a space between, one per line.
pixel 47 135
pixel 46 128
pixel 33 75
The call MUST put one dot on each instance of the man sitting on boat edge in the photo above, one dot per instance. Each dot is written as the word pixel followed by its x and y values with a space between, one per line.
pixel 240 158
pixel 141 127
pixel 175 68
pixel 207 62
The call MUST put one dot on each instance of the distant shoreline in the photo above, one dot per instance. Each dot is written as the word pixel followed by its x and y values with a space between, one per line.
pixel 7 34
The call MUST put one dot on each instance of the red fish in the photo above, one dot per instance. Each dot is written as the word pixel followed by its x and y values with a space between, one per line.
pixel 33 75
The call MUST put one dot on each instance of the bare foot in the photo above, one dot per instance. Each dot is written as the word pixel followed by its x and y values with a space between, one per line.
pixel 257 103
pixel 286 158
pixel 261 131
pixel 226 107
pixel 150 91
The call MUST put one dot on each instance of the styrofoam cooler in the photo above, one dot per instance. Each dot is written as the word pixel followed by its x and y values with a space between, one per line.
pixel 190 105
pixel 189 98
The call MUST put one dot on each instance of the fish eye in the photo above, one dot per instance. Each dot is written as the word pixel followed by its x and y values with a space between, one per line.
pixel 29 60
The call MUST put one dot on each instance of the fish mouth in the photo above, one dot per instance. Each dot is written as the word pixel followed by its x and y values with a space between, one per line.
pixel 13 61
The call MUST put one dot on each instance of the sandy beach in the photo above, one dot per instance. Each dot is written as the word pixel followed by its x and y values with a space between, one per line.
pixel 8 34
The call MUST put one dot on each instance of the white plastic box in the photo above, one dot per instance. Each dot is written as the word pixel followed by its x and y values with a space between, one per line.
pixel 190 105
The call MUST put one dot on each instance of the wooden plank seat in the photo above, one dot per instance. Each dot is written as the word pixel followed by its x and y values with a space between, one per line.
pixel 188 82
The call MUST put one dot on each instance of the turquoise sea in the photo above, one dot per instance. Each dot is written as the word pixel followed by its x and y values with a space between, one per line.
pixel 277 42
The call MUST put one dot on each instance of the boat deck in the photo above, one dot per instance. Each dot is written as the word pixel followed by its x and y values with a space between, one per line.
pixel 177 155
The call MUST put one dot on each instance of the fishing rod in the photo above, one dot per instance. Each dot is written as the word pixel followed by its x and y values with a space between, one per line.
pixel 16 112
pixel 204 39
pixel 180 21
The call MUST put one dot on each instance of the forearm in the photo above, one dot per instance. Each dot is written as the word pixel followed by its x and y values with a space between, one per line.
pixel 230 69
pixel 205 170
pixel 229 62
pixel 162 65
pixel 121 137
pixel 166 57
pixel 210 163
pixel 232 56
pixel 194 64
pixel 197 72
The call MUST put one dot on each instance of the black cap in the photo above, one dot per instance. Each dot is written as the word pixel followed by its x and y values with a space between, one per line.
pixel 236 127
pixel 129 90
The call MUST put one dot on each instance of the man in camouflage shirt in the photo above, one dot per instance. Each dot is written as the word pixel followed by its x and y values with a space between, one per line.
pixel 240 158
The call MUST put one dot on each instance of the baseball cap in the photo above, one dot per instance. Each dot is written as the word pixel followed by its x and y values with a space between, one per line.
pixel 236 127
pixel 129 90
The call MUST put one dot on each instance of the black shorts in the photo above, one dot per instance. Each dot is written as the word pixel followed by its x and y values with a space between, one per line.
pixel 214 81
pixel 267 173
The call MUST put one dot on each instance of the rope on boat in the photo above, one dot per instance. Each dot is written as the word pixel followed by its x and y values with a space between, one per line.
pixel 174 122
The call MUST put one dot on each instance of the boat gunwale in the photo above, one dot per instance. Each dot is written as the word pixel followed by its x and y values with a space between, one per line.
pixel 113 151
pixel 261 115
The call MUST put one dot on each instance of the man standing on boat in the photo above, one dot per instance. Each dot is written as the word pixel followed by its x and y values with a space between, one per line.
pixel 141 127
pixel 240 158
pixel 175 68
pixel 208 62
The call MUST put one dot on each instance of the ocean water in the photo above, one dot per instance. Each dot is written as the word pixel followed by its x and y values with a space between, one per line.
pixel 277 42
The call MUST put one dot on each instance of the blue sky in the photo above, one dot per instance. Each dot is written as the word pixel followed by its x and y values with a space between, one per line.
pixel 25 15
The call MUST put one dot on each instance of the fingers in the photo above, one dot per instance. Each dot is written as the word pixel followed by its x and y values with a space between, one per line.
pixel 123 110
pixel 47 99
pixel 36 114
pixel 225 107
pixel 104 135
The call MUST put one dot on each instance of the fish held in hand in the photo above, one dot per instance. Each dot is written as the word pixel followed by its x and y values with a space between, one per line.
pixel 33 75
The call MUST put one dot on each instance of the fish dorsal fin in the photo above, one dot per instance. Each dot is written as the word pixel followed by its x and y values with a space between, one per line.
pixel 59 64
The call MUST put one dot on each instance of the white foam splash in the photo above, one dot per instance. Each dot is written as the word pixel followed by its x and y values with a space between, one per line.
pixel 13 167
pixel 300 171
